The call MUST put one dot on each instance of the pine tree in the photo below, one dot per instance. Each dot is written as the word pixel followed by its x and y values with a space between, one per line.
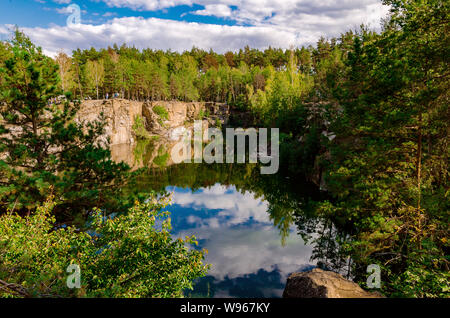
pixel 42 149
pixel 388 167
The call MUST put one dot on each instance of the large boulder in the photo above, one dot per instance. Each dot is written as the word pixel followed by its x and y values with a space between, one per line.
pixel 324 284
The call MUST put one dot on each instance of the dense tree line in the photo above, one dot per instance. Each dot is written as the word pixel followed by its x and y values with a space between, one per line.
pixel 368 111
pixel 192 75
pixel 42 149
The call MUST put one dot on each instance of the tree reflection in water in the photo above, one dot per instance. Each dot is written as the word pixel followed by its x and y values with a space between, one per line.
pixel 237 214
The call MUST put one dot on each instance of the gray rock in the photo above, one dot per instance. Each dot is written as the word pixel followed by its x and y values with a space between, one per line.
pixel 324 284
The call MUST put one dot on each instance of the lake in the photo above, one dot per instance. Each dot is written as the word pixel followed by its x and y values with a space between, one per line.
pixel 246 253
pixel 249 223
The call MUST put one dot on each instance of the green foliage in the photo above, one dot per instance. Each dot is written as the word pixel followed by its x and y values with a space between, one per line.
pixel 218 123
pixel 162 158
pixel 231 78
pixel 203 114
pixel 139 128
pixel 162 112
pixel 140 150
pixel 387 168
pixel 129 255
pixel 365 115
pixel 42 147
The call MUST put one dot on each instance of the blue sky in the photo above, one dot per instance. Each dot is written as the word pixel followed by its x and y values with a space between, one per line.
pixel 41 13
pixel 181 24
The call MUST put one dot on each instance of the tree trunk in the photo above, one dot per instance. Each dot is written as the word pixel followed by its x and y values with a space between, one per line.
pixel 419 161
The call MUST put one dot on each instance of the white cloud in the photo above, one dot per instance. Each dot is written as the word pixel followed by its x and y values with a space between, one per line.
pixel 5 29
pixel 274 12
pixel 159 34
pixel 149 5
pixel 234 207
pixel 234 252
pixel 261 23
pixel 64 10
pixel 217 10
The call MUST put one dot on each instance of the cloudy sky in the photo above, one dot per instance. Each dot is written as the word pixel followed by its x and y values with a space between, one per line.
pixel 181 24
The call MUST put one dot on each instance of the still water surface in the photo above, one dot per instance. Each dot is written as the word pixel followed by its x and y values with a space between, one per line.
pixel 246 253
pixel 247 222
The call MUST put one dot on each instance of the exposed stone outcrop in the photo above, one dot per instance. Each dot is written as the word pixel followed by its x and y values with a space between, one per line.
pixel 161 132
pixel 324 284
pixel 121 114
pixel 164 124
pixel 179 114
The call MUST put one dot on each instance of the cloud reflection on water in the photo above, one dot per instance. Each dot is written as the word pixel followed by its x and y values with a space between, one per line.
pixel 244 246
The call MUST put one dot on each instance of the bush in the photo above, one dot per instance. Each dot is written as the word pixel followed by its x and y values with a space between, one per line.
pixel 130 255
pixel 203 114
pixel 139 128
pixel 161 112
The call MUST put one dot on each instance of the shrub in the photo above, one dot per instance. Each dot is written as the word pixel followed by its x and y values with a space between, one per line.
pixel 218 123
pixel 161 112
pixel 203 114
pixel 139 128
pixel 130 255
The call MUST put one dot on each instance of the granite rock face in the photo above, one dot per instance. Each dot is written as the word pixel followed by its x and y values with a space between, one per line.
pixel 324 284
pixel 121 115
pixel 179 114
pixel 164 124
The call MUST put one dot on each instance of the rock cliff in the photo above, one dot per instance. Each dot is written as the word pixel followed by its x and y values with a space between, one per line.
pixel 120 115
pixel 161 118
pixel 143 133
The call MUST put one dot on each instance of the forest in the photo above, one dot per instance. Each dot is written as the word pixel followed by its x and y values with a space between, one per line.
pixel 368 110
